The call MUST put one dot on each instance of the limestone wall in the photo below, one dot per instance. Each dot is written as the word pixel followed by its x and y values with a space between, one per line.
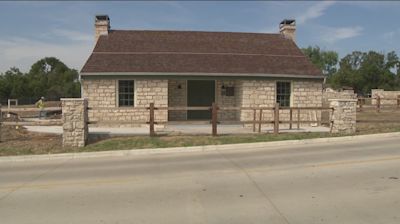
pixel 387 97
pixel 262 93
pixel 247 93
pixel 344 115
pixel 306 94
pixel 177 97
pixel 257 93
pixel 75 118
pixel 328 94
pixel 223 100
pixel 103 94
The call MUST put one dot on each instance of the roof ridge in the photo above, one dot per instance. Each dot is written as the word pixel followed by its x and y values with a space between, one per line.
pixel 195 31
pixel 199 53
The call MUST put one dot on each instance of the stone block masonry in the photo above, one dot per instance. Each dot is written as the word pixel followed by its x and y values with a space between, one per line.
pixel 328 94
pixel 262 93
pixel 344 115
pixel 177 97
pixel 75 118
pixel 102 93
pixel 224 100
pixel 387 97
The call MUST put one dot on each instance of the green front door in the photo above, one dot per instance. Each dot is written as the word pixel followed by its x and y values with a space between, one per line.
pixel 200 93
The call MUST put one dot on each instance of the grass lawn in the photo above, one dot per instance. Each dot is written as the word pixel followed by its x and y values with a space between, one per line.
pixel 45 144
pixel 178 141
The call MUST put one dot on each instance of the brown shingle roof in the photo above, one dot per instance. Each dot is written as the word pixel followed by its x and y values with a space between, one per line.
pixel 198 52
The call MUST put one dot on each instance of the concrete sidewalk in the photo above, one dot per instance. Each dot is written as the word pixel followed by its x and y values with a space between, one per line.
pixel 190 129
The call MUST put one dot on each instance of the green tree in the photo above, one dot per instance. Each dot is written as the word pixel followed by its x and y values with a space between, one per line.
pixel 12 84
pixel 325 60
pixel 367 70
pixel 47 77
pixel 52 78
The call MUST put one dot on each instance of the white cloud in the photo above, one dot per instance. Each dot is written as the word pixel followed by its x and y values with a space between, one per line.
pixel 314 11
pixel 333 34
pixel 22 52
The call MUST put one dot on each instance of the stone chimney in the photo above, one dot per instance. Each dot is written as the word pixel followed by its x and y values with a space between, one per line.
pixel 102 26
pixel 288 29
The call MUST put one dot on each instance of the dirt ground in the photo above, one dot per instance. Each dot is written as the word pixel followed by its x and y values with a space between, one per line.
pixel 370 121
pixel 17 140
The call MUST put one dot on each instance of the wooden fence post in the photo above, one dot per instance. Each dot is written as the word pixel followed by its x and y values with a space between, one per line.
pixel 291 118
pixel 298 118
pixel 378 104
pixel 276 119
pixel 254 120
pixel 152 133
pixel 260 120
pixel 360 102
pixel 214 114
pixel 398 101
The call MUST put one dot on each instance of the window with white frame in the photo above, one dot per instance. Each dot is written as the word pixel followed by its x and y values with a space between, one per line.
pixel 283 92
pixel 126 93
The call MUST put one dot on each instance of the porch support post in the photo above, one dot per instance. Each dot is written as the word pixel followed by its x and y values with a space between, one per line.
pixel 214 114
pixel 276 119
pixel 152 132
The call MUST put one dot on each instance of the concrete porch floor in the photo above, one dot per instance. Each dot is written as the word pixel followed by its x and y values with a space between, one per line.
pixel 176 129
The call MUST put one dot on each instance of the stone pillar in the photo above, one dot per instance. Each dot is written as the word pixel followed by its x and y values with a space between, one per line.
pixel 375 93
pixel 344 115
pixel 75 118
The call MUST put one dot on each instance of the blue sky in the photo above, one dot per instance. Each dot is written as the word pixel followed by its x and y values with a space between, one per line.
pixel 32 30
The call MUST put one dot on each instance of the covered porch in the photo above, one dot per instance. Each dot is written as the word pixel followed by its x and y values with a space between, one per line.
pixel 202 93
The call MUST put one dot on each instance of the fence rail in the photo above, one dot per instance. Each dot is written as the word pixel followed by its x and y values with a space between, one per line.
pixel 257 121
pixel 29 109
pixel 15 110
pixel 294 116
pixel 361 102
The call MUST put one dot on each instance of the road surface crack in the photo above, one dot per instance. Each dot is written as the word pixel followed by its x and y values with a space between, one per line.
pixel 254 183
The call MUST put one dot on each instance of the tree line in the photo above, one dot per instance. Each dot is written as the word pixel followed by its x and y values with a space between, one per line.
pixel 362 71
pixel 48 77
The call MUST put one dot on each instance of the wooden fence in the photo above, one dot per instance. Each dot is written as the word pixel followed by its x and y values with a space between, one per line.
pixel 257 121
pixel 379 113
pixel 21 122
pixel 362 105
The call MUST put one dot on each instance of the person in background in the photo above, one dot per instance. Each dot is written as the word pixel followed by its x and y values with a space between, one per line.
pixel 40 104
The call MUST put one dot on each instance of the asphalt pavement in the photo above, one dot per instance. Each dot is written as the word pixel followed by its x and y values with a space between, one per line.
pixel 342 182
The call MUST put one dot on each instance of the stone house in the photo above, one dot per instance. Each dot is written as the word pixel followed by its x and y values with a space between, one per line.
pixel 132 68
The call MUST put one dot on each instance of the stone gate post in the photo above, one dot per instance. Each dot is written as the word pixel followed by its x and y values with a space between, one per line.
pixel 75 118
pixel 344 115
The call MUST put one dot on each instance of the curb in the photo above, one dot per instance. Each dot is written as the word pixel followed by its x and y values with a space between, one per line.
pixel 205 148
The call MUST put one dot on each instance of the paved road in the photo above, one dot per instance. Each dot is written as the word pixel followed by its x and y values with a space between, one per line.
pixel 348 182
